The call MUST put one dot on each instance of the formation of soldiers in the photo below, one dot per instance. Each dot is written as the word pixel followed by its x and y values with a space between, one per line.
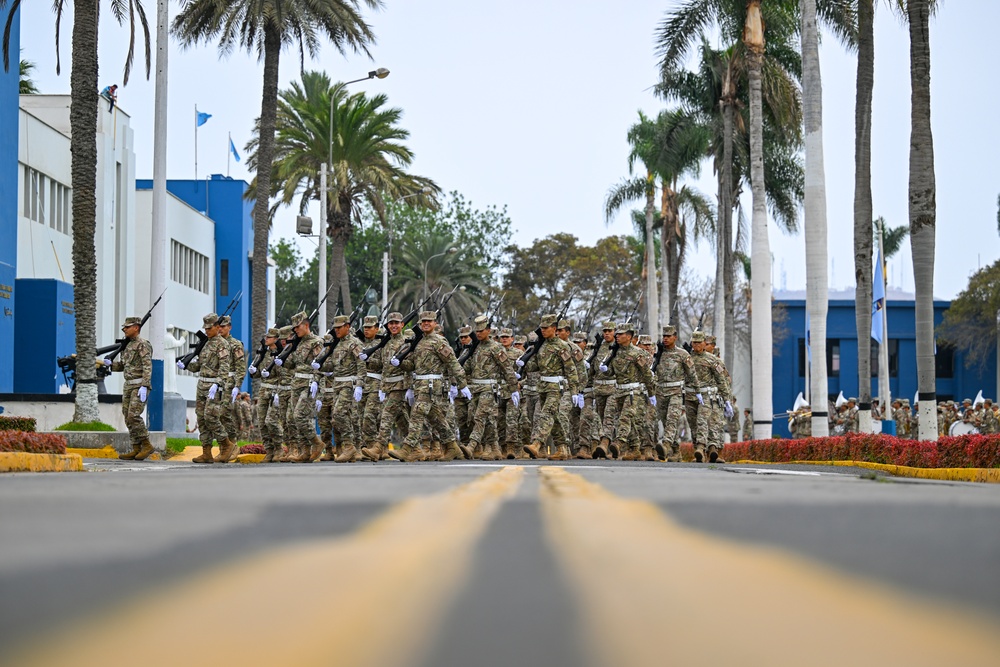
pixel 983 416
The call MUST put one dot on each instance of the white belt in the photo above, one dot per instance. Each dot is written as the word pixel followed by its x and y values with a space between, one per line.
pixel 285 387
pixel 485 382
pixel 588 390
pixel 606 382
pixel 328 390
pixel 630 386
pixel 344 378
pixel 264 385
pixel 552 378
pixel 428 377
pixel 707 390
pixel 530 387
pixel 135 381
pixel 670 385
pixel 304 376
pixel 394 378
pixel 374 376
pixel 212 380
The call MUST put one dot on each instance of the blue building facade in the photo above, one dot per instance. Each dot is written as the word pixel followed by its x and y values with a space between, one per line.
pixel 954 380
pixel 9 106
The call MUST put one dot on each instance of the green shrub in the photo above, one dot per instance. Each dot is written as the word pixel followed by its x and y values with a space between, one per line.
pixel 24 424
pixel 84 426
pixel 33 443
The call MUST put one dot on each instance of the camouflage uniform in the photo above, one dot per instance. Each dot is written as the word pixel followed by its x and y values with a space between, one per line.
pixel 136 363
pixel 460 406
pixel 371 407
pixel 300 432
pixel 488 366
pixel 748 426
pixel 717 416
pixel 348 375
pixel 212 365
pixel 632 376
pixel 713 385
pixel 674 373
pixel 324 416
pixel 237 371
pixel 395 409
pixel 604 383
pixel 648 426
pixel 508 432
pixel 557 375
pixel 276 420
pixel 529 406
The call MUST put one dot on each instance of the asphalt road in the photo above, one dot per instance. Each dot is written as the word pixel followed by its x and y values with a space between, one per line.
pixel 577 563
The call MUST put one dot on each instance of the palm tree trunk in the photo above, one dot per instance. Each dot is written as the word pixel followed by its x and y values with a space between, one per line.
pixel 863 208
pixel 725 212
pixel 728 341
pixel 676 263
pixel 83 166
pixel 652 301
pixel 760 247
pixel 668 222
pixel 335 272
pixel 265 157
pixel 922 193
pixel 817 282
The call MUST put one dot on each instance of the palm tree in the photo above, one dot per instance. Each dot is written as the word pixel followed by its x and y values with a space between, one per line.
pixel 368 167
pixel 863 207
pixel 83 168
pixel 267 27
pixel 922 194
pixel 27 85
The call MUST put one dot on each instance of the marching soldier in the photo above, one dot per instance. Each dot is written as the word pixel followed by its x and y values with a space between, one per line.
pixel 212 365
pixel 507 429
pixel 529 390
pixel 301 421
pixel 604 389
pixel 283 378
pixel 463 418
pixel 674 373
pixel 394 394
pixel 237 371
pixel 556 376
pixel 348 378
pixel 136 363
pixel 747 425
pixel 371 406
pixel 632 375
pixel 267 401
pixel 713 381
pixel 717 416
pixel 647 429
pixel 324 412
pixel 488 366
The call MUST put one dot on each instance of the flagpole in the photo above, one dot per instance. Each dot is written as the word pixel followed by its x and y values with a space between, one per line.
pixel 885 397
pixel 808 361
pixel 196 142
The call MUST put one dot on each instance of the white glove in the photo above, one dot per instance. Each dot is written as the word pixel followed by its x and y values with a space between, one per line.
pixel 573 400
pixel 394 361
pixel 451 399
pixel 515 398
pixel 363 357
pixel 278 361
pixel 381 396
pixel 358 391
pixel 236 392
pixel 319 405
pixel 452 393
pixel 586 364
pixel 466 393
pixel 265 374
pixel 701 401
pixel 602 368
pixel 652 401
pixel 106 362
pixel 519 363
pixel 252 369
pixel 275 401
pixel 729 410
pixel 517 375
pixel 315 365
pixel 212 391
pixel 142 394
pixel 409 397
pixel 313 389
pixel 180 365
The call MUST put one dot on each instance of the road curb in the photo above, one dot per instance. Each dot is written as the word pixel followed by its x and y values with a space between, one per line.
pixel 250 458
pixel 106 452
pixel 982 475
pixel 24 462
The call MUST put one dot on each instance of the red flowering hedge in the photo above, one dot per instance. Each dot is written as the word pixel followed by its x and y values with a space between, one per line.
pixel 17 424
pixel 33 443
pixel 964 451
pixel 253 448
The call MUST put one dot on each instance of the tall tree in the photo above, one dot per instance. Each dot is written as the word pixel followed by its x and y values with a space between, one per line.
pixel 922 209
pixel 267 27
pixel 83 167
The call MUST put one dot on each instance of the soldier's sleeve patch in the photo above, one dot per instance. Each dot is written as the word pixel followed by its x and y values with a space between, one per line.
pixel 565 355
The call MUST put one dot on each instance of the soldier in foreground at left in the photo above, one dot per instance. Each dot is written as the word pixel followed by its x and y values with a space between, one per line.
pixel 136 362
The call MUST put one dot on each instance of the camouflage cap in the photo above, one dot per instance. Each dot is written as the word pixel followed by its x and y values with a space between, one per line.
pixel 299 318
pixel 210 320
pixel 579 337
pixel 225 321
pixel 532 337
pixel 395 317
pixel 327 338
pixel 130 321
pixel 644 339
pixel 381 331
pixel 465 331
pixel 428 316
pixel 852 399
pixel 341 321
pixel 273 332
pixel 564 324
pixel 408 334
pixel 520 340
pixel 698 337
pixel 548 321
pixel 710 339
pixel 625 327
pixel 670 330
pixel 608 326
pixel 481 323
pixel 285 331
pixel 370 321
pixel 506 332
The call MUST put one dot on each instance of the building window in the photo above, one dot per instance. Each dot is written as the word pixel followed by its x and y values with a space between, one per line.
pixel 188 267
pixel 944 361
pixel 46 201
pixel 224 277
pixel 832 357
pixel 893 357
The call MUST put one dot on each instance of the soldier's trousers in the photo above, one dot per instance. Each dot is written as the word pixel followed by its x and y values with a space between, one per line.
pixel 590 423
pixel 716 424
pixel 483 415
pixel 267 417
pixel 429 413
pixel 395 412
pixel 325 416
pixel 208 412
pixel 462 420
pixel 550 420
pixel 132 409
pixel 371 413
pixel 703 425
pixel 571 416
pixel 301 418
pixel 629 412
pixel 342 415
pixel 508 424
pixel 526 418
pixel 691 411
pixel 277 416
pixel 604 404
pixel 670 409
pixel 228 415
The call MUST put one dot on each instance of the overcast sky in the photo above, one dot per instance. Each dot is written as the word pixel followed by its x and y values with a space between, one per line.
pixel 527 104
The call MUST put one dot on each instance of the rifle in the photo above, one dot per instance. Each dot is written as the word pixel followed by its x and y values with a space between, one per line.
pixel 470 349
pixel 122 343
pixel 656 357
pixel 599 336
pixel 384 338
pixel 537 345
pixel 329 347
pixel 418 334
pixel 196 348
pixel 615 346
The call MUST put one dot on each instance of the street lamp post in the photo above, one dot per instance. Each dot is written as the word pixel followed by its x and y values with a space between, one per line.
pixel 379 73
pixel 450 251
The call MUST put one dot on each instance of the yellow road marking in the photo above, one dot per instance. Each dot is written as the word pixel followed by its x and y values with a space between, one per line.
pixel 648 596
pixel 985 475
pixel 371 598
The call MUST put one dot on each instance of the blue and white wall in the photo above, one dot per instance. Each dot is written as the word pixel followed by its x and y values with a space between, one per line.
pixel 9 89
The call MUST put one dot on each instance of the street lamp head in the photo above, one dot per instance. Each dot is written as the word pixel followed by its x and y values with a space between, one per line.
pixel 379 73
pixel 452 250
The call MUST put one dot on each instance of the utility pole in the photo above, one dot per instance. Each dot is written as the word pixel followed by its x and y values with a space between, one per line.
pixel 158 228
pixel 321 264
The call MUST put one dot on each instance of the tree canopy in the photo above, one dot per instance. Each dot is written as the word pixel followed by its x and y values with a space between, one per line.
pixel 970 324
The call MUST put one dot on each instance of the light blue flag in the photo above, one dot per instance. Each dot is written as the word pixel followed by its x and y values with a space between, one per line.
pixel 201 118
pixel 878 299
pixel 232 148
